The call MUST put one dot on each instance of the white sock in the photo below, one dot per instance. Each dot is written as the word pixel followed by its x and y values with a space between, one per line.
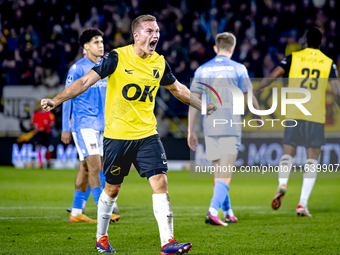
pixel 115 207
pixel 76 212
pixel 230 212
pixel 84 204
pixel 285 167
pixel 105 207
pixel 213 211
pixel 309 177
pixel 164 216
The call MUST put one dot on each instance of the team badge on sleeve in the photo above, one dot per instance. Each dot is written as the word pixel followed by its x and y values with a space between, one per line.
pixel 69 79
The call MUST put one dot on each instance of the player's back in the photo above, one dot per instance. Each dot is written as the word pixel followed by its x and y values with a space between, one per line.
pixel 88 107
pixel 318 64
pixel 221 67
pixel 219 72
pixel 309 69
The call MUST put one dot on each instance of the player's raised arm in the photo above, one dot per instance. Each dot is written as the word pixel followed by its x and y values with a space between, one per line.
pixel 266 81
pixel 284 67
pixel 75 89
pixel 183 94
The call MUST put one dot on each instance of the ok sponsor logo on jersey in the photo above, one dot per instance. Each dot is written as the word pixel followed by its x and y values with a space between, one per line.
pixel 133 92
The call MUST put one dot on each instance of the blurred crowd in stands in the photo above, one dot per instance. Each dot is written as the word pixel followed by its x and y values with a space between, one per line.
pixel 39 38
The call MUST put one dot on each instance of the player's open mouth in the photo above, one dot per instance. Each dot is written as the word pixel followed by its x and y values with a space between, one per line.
pixel 153 44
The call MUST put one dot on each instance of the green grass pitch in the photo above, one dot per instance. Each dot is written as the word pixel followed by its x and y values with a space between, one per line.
pixel 33 219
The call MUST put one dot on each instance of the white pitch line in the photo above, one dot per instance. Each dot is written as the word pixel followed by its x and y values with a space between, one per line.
pixel 234 207
pixel 54 208
pixel 187 214
pixel 31 208
pixel 128 208
pixel 132 215
pixel 250 207
pixel 18 218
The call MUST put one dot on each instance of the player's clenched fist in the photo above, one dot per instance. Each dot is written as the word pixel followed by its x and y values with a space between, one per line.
pixel 47 104
pixel 211 108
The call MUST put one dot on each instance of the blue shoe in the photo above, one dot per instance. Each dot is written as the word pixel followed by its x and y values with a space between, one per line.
pixel 104 246
pixel 173 248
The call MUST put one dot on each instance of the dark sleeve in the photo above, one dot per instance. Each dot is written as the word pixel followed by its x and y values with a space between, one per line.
pixel 168 77
pixel 108 65
pixel 334 72
pixel 286 63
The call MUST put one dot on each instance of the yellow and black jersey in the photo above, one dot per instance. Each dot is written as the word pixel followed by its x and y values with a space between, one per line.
pixel 132 85
pixel 309 69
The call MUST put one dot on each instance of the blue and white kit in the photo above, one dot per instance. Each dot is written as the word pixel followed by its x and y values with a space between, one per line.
pixel 86 112
pixel 218 72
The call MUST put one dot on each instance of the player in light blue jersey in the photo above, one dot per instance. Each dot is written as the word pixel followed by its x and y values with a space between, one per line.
pixel 86 112
pixel 222 140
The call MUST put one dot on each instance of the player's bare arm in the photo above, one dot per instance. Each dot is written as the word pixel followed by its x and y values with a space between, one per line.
pixel 192 137
pixel 183 94
pixel 266 81
pixel 257 107
pixel 75 89
pixel 336 90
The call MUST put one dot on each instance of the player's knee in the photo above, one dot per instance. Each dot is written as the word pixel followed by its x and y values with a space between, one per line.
pixel 81 185
pixel 112 190
pixel 158 183
pixel 94 172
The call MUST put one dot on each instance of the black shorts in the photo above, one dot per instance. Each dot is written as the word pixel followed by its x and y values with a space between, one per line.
pixel 147 155
pixel 42 138
pixel 306 133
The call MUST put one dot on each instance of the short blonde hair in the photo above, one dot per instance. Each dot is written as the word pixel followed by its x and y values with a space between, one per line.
pixel 142 18
pixel 225 41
